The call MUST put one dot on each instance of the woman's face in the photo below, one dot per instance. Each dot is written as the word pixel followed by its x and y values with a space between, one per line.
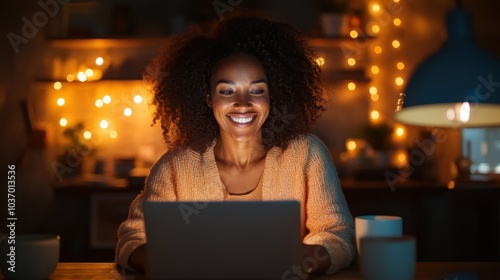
pixel 240 96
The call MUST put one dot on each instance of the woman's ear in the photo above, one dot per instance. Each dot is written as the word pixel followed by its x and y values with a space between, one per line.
pixel 208 99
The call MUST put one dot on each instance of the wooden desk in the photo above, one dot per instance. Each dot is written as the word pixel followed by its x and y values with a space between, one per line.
pixel 424 271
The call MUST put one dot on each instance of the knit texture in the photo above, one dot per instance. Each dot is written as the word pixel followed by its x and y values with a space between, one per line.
pixel 303 172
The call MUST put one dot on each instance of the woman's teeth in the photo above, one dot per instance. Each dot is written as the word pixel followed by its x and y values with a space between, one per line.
pixel 242 120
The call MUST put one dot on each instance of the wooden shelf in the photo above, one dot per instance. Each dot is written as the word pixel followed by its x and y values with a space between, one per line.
pixel 105 82
pixel 103 43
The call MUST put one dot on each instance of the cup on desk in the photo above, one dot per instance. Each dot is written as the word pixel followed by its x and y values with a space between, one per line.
pixel 29 256
pixel 377 226
pixel 388 258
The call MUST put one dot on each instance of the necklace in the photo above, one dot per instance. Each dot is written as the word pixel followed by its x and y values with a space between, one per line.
pixel 247 192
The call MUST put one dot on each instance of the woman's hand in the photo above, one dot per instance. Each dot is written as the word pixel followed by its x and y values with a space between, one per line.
pixel 138 260
pixel 315 259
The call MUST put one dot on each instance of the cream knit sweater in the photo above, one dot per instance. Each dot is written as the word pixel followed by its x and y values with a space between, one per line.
pixel 303 172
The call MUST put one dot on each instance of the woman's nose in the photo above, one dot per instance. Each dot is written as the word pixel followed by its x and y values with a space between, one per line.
pixel 242 100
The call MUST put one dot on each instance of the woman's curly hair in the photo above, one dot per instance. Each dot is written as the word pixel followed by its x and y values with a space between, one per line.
pixel 180 76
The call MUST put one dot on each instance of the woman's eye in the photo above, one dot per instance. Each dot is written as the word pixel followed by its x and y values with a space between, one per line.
pixel 225 92
pixel 257 91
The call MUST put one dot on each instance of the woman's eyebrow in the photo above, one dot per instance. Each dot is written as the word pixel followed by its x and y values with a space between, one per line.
pixel 233 83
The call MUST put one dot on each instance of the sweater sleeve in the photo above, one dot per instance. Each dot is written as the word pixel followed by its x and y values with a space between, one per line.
pixel 328 221
pixel 158 186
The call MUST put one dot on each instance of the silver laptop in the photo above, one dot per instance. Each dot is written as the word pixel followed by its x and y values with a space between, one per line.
pixel 222 240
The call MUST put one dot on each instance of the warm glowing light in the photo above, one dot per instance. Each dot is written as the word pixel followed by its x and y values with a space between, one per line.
pixel 396 1
pixel 137 99
pixel 320 61
pixel 377 49
pixel 104 124
pixel 400 65
pixel 106 99
pixel 351 61
pixel 89 72
pixel 376 8
pixel 375 28
pixel 113 134
pixel 99 103
pixel 81 76
pixel 464 112
pixel 374 97
pixel 351 86
pixel 127 112
pixel 70 78
pixel 396 22
pixel 57 85
pixel 396 44
pixel 451 184
pixel 354 34
pixel 351 145
pixel 399 81
pixel 87 135
pixel 60 101
pixel 63 122
pixel 400 131
pixel 373 90
pixel 401 157
pixel 375 70
pixel 374 115
pixel 99 61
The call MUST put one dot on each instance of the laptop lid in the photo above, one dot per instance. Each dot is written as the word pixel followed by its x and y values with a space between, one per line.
pixel 222 240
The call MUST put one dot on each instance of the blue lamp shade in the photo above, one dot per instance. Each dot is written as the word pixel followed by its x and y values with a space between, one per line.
pixel 457 86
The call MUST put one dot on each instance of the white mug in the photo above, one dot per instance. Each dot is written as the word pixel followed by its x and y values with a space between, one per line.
pixel 388 258
pixel 377 225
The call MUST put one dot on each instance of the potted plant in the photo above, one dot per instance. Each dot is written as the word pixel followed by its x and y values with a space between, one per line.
pixel 334 17
pixel 76 151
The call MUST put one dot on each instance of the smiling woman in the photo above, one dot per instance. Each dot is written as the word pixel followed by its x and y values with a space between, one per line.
pixel 235 104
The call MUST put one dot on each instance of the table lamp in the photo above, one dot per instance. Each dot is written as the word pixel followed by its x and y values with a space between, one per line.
pixel 458 86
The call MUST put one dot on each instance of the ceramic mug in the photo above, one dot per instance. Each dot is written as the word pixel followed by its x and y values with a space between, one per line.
pixel 29 256
pixel 388 258
pixel 377 225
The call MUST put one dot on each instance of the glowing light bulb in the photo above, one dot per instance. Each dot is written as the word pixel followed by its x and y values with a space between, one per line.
pixel 127 112
pixel 351 86
pixel 320 61
pixel 376 8
pixel 89 72
pixel 375 70
pixel 374 97
pixel 81 76
pixel 399 81
pixel 401 157
pixel 396 22
pixel 377 49
pixel 400 65
pixel 354 34
pixel 400 131
pixel 106 99
pixel 104 124
pixel 137 99
pixel 99 61
pixel 396 1
pixel 351 61
pixel 87 135
pixel 57 85
pixel 375 28
pixel 63 122
pixel 396 44
pixel 70 78
pixel 374 115
pixel 60 101
pixel 351 145
pixel 113 134
pixel 99 103
pixel 373 90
